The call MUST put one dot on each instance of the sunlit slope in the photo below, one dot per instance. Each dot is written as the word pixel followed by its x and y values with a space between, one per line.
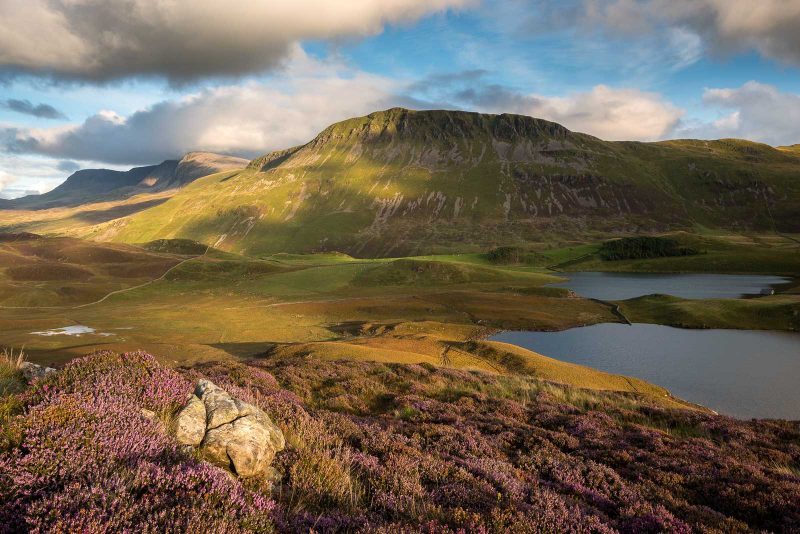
pixel 400 182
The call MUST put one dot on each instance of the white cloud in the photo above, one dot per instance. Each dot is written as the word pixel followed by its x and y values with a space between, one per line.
pixel 612 114
pixel 6 179
pixel 247 119
pixel 25 175
pixel 183 39
pixel 253 118
pixel 768 26
pixel 754 111
pixel 609 113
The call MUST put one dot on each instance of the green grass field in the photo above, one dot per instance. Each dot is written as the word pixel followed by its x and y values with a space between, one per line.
pixel 718 253
pixel 778 312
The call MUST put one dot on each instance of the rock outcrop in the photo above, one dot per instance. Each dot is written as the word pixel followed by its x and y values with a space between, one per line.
pixel 228 432
pixel 32 371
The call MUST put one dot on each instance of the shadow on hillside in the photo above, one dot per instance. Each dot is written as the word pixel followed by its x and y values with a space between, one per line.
pixel 251 349
pixel 100 216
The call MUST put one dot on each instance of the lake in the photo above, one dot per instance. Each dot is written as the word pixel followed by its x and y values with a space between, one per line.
pixel 743 373
pixel 620 286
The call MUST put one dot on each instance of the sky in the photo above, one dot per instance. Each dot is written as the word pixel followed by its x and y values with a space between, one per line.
pixel 121 83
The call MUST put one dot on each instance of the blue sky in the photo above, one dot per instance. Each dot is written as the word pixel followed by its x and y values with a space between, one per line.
pixel 113 86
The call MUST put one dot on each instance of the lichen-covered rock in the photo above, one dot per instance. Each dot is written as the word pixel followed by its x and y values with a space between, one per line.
pixel 32 371
pixel 190 423
pixel 229 432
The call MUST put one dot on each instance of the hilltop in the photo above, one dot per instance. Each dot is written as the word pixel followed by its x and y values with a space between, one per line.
pixel 93 185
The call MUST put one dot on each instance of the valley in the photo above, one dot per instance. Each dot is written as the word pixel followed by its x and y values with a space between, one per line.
pixel 200 304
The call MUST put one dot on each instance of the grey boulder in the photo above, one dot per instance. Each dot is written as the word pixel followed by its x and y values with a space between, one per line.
pixel 190 423
pixel 230 433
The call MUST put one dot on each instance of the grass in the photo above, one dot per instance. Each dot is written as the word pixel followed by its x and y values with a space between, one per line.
pixel 67 272
pixel 11 379
pixel 778 312
pixel 718 253
pixel 431 310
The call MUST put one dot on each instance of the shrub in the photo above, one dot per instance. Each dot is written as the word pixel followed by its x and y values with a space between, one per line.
pixel 453 451
pixel 511 256
pixel 89 459
pixel 635 248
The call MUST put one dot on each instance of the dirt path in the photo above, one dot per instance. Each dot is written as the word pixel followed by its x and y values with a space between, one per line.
pixel 116 292
pixel 615 309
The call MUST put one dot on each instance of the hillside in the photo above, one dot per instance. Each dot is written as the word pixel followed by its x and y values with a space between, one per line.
pixel 401 182
pixel 62 271
pixel 384 448
pixel 93 185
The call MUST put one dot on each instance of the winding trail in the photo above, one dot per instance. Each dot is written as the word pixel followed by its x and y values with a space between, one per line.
pixel 115 292
pixel 615 309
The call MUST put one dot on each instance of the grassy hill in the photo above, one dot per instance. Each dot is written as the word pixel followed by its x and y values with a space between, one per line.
pixel 402 182
pixel 64 271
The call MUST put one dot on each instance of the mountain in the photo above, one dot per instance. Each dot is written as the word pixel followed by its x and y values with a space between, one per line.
pixel 91 185
pixel 400 182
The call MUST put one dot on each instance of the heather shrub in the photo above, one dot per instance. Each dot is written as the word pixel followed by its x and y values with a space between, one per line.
pixel 445 450
pixel 90 460
pixel 378 447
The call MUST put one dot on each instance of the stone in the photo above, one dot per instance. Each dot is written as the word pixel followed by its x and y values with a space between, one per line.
pixel 228 432
pixel 190 423
pixel 32 371
pixel 221 408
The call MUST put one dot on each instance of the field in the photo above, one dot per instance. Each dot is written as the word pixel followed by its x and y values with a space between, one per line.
pixel 54 272
pixel 221 306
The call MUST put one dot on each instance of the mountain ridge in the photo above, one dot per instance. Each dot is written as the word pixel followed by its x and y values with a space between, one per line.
pixel 91 185
pixel 400 182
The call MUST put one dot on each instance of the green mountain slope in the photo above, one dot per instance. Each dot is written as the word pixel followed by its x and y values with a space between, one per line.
pixel 399 182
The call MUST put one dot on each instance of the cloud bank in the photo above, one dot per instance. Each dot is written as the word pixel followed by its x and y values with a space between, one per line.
pixel 609 113
pixel 754 111
pixel 726 26
pixel 252 119
pixel 245 120
pixel 182 40
pixel 27 175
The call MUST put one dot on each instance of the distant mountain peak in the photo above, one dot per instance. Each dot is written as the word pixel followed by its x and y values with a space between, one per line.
pixel 91 185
